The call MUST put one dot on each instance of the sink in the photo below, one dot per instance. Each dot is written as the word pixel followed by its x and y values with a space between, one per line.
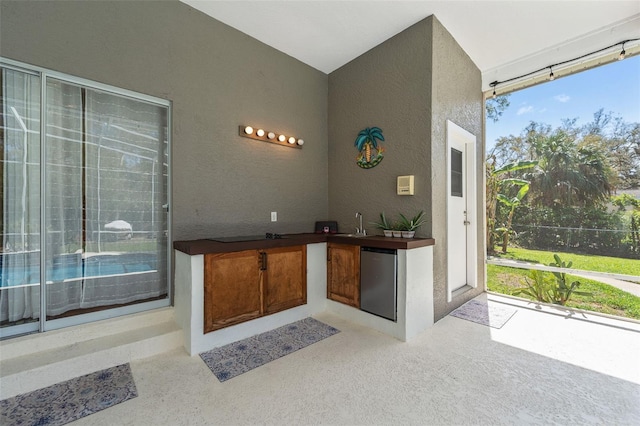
pixel 350 235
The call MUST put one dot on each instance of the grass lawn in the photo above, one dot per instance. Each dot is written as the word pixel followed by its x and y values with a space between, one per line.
pixel 614 265
pixel 604 298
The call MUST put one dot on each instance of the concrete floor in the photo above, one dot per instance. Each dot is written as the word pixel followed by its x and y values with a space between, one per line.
pixel 543 367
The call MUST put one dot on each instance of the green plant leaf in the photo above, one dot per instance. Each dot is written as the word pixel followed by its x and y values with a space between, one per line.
pixel 512 167
pixel 515 181
pixel 522 192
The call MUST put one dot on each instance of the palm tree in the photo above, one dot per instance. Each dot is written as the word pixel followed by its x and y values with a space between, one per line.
pixel 569 174
pixel 367 139
pixel 597 176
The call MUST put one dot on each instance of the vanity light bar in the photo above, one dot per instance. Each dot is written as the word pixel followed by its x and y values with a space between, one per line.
pixel 271 137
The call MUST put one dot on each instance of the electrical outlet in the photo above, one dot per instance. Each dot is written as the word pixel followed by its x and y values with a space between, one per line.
pixel 274 216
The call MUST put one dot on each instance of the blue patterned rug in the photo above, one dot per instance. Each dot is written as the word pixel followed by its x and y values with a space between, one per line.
pixel 239 357
pixel 482 313
pixel 65 402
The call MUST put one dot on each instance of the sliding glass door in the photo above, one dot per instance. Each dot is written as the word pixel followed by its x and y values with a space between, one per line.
pixel 20 214
pixel 97 234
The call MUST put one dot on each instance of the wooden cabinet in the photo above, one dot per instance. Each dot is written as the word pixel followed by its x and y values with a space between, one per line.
pixel 244 285
pixel 285 278
pixel 343 273
pixel 232 292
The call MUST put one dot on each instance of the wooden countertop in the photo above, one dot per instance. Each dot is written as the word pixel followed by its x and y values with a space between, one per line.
pixel 204 246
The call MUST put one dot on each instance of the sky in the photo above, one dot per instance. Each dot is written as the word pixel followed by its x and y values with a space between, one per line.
pixel 614 87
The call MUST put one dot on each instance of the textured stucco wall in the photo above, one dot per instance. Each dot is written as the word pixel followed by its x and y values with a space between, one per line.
pixel 409 86
pixel 217 79
pixel 457 96
pixel 388 87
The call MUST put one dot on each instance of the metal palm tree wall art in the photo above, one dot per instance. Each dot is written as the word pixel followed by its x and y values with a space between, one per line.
pixel 371 152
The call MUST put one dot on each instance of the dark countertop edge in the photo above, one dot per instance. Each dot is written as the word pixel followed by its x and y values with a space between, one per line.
pixel 382 242
pixel 204 246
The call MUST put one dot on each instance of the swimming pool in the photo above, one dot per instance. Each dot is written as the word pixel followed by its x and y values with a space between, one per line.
pixel 23 269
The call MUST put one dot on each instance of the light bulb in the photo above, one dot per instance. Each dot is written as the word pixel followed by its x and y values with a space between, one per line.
pixel 494 93
pixel 622 55
pixel 260 132
pixel 248 130
pixel 300 142
pixel 282 138
pixel 271 135
pixel 292 140
pixel 551 76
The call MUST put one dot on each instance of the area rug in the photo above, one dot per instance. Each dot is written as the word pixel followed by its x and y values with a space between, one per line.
pixel 229 361
pixel 482 313
pixel 65 402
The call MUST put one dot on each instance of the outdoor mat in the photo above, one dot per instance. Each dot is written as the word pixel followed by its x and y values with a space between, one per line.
pixel 68 401
pixel 480 312
pixel 231 360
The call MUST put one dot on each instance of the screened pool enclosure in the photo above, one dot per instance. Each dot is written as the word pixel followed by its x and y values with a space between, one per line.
pixel 84 201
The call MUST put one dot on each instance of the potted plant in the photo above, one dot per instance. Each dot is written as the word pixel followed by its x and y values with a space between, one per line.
pixel 397 230
pixel 409 226
pixel 385 225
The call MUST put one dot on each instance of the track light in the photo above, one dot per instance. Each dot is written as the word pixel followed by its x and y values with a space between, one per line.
pixel 622 54
pixel 551 76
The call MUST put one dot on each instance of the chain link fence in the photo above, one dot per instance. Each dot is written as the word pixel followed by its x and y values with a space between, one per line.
pixel 604 242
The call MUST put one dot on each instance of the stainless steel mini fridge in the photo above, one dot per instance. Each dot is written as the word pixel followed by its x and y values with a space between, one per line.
pixel 378 289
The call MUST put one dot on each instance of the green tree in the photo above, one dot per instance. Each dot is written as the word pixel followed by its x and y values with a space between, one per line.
pixel 494 107
pixel 621 143
pixel 512 203
pixel 499 179
pixel 511 149
pixel 626 202
pixel 569 173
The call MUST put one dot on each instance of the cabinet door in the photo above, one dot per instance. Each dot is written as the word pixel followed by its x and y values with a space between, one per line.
pixel 285 278
pixel 343 274
pixel 232 292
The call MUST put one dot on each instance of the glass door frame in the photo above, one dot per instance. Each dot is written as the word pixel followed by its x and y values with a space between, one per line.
pixel 46 325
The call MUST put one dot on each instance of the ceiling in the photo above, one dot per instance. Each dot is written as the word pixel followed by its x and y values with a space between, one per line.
pixel 503 38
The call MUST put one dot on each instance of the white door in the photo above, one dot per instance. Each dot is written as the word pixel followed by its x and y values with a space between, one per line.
pixel 461 211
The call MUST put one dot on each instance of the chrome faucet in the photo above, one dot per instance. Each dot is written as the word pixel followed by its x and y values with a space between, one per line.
pixel 360 231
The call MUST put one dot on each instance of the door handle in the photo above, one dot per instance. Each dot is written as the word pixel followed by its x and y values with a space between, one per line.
pixel 263 261
pixel 466 222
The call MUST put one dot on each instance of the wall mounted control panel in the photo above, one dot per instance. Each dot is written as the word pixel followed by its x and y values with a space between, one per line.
pixel 405 185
